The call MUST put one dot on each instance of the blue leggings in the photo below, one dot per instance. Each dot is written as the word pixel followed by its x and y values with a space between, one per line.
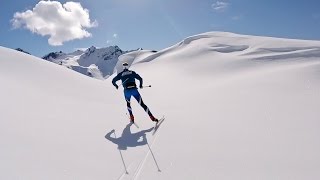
pixel 135 93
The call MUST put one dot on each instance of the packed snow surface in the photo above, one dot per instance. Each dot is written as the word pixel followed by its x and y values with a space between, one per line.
pixel 235 107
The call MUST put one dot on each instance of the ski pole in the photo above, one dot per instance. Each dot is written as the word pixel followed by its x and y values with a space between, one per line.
pixel 125 167
pixel 123 82
pixel 154 158
pixel 146 86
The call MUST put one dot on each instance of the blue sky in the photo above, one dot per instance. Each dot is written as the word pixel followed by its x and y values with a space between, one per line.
pixel 157 24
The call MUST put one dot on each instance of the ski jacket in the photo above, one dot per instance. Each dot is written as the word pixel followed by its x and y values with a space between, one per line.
pixel 127 78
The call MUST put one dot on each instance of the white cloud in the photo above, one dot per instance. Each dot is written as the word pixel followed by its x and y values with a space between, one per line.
pixel 115 35
pixel 61 22
pixel 220 6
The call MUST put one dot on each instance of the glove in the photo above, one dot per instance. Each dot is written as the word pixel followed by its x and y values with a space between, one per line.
pixel 116 86
pixel 141 86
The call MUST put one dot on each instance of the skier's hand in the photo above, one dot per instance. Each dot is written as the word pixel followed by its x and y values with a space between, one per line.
pixel 116 86
pixel 141 86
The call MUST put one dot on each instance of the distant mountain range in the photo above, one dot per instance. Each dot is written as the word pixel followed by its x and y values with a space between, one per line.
pixel 94 62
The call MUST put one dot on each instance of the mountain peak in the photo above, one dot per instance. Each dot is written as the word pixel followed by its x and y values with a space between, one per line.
pixel 21 50
pixel 94 62
pixel 53 55
pixel 91 49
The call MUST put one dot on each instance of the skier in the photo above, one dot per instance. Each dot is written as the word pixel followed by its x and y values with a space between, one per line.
pixel 127 78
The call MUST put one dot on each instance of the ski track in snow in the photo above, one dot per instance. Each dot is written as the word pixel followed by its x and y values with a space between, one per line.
pixel 143 161
pixel 135 174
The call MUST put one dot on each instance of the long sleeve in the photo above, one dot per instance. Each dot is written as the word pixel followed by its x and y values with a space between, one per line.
pixel 137 76
pixel 115 79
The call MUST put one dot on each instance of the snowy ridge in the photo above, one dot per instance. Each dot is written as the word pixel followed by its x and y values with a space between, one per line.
pixel 94 62
pixel 242 51
pixel 21 50
pixel 236 107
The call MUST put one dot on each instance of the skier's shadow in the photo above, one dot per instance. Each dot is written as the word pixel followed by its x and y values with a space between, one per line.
pixel 127 138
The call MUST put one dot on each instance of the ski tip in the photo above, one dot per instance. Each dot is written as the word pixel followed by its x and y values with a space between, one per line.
pixel 136 125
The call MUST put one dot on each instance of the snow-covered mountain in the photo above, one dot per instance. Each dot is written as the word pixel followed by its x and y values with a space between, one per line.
pixel 236 107
pixel 94 62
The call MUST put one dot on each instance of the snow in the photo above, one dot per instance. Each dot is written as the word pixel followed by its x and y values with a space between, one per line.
pixel 95 62
pixel 236 107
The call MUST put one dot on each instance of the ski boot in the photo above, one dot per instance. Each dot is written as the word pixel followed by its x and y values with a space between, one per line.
pixel 154 119
pixel 131 118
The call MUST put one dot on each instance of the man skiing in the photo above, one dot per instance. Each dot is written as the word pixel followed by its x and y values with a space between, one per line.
pixel 127 78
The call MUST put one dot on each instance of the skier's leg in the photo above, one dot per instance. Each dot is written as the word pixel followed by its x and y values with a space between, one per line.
pixel 138 97
pixel 127 95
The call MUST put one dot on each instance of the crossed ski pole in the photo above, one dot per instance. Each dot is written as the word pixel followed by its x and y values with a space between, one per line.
pixel 123 82
pixel 128 78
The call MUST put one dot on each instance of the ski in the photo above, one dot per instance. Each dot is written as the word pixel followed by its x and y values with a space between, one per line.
pixel 157 125
pixel 135 124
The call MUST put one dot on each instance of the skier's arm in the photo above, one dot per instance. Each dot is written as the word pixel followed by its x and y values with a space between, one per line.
pixel 139 78
pixel 115 79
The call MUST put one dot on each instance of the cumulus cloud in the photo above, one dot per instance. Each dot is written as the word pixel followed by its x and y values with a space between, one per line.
pixel 220 6
pixel 61 22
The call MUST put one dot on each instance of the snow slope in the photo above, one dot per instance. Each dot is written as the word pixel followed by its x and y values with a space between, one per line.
pixel 236 107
